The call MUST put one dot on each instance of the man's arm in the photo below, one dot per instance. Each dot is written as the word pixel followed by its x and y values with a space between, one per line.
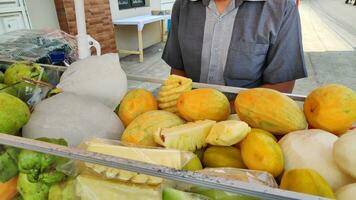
pixel 286 87
pixel 178 72
pixel 285 58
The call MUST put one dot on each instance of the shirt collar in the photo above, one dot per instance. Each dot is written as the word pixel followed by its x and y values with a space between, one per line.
pixel 237 2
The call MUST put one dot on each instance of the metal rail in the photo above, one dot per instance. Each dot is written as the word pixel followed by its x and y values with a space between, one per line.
pixel 263 192
pixel 227 89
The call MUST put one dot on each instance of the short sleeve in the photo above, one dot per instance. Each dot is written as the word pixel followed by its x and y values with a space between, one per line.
pixel 172 52
pixel 285 58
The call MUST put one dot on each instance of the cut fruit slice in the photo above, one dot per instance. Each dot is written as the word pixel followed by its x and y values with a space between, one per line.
pixel 168 98
pixel 169 158
pixel 227 133
pixel 92 187
pixel 188 137
pixel 168 104
pixel 172 194
pixel 170 91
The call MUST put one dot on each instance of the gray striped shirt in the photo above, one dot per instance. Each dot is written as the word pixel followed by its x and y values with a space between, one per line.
pixel 217 38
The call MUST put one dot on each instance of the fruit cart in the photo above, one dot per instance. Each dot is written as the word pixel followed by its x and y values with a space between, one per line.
pixel 186 177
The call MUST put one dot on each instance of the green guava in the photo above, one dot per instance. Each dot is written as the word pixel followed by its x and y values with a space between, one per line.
pixel 14 114
pixel 17 71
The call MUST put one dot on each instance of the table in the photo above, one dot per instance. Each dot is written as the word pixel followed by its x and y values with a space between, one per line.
pixel 140 22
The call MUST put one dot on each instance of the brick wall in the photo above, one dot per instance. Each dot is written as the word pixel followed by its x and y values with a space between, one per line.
pixel 98 19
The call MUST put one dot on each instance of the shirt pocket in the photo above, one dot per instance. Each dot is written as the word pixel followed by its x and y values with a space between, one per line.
pixel 246 60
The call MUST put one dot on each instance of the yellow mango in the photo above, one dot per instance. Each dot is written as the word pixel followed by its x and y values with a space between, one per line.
pixel 140 131
pixel 331 108
pixel 306 181
pixel 135 103
pixel 261 152
pixel 269 110
pixel 202 104
pixel 216 156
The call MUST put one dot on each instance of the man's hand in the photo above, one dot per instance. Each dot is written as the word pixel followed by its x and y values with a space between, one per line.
pixel 286 87
pixel 178 72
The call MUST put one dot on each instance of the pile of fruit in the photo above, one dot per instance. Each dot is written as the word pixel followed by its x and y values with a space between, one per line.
pixel 308 150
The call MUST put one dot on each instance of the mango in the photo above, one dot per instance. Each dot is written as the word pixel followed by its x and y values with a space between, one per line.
pixel 331 108
pixel 202 104
pixel 269 110
pixel 135 103
pixel 260 151
pixel 216 156
pixel 140 131
pixel 193 165
pixel 306 181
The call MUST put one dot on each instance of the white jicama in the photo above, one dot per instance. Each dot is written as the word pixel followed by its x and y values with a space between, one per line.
pixel 344 153
pixel 347 192
pixel 98 77
pixel 72 118
pixel 313 149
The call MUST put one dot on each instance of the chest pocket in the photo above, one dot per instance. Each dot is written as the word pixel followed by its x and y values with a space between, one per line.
pixel 246 60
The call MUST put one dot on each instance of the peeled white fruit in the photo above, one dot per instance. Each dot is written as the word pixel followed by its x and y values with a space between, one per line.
pixel 73 118
pixel 98 77
pixel 345 153
pixel 314 149
pixel 227 133
pixel 347 192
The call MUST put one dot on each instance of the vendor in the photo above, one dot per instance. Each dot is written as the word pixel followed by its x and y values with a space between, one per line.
pixel 241 43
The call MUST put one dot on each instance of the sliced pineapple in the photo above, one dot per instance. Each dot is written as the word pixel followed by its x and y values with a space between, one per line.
pixel 170 98
pixel 170 91
pixel 188 137
pixel 168 104
pixel 169 158
pixel 227 133
pixel 172 109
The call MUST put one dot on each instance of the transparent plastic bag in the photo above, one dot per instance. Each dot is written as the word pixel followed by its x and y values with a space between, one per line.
pixel 37 45
pixel 90 187
pixel 249 176
pixel 245 175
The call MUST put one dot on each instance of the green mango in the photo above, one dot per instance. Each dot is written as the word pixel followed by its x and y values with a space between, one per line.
pixel 14 114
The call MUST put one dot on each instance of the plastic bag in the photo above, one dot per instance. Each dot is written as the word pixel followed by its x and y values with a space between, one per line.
pixel 245 175
pixel 73 118
pixel 38 45
pixel 97 77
